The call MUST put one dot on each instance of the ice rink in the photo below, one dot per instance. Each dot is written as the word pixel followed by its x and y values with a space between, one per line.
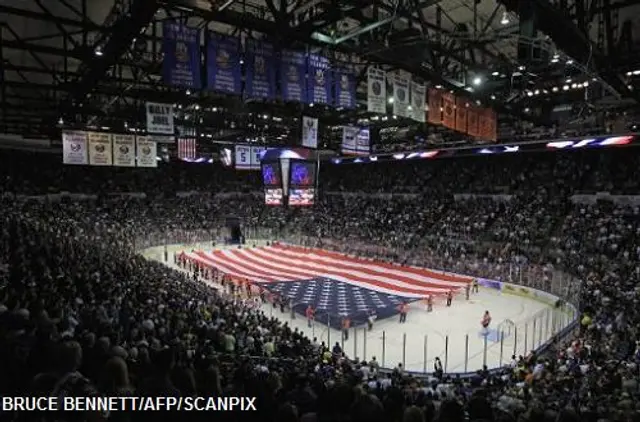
pixel 452 333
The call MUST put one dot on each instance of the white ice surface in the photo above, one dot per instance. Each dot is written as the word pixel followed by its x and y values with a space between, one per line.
pixel 451 333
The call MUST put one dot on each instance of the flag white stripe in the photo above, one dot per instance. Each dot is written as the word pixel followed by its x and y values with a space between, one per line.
pixel 221 268
pixel 338 277
pixel 373 267
pixel 251 275
pixel 240 255
pixel 273 256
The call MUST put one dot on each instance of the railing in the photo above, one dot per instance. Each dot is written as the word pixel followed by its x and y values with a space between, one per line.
pixel 460 349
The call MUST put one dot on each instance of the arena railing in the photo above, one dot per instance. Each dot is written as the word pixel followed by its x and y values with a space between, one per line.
pixel 461 352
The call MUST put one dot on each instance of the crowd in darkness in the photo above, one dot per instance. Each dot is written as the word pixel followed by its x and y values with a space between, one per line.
pixel 82 314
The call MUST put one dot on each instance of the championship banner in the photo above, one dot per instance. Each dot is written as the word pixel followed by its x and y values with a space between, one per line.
pixel 224 71
pixel 74 148
pixel 344 83
pixel 319 80
pixel 243 157
pixel 309 132
pixel 181 49
pixel 472 120
pixel 256 156
pixel 492 130
pixel 124 150
pixel 435 106
pixel 100 149
pixel 349 134
pixel 293 67
pixel 146 152
pixel 160 118
pixel 449 110
pixel 401 96
pixel 376 91
pixel 483 123
pixel 461 114
pixel 260 71
pixel 418 92
pixel 363 142
pixel 487 127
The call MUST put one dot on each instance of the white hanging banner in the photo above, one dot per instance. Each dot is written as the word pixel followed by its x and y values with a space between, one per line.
pixel 377 91
pixel 100 150
pixel 400 96
pixel 74 148
pixel 243 157
pixel 363 142
pixel 256 156
pixel 160 118
pixel 418 101
pixel 124 150
pixel 146 152
pixel 309 132
pixel 349 134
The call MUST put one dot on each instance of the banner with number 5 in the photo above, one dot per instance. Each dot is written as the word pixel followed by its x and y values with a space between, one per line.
pixel 243 157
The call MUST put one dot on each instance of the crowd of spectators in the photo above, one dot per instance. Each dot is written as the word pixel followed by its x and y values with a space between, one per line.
pixel 82 314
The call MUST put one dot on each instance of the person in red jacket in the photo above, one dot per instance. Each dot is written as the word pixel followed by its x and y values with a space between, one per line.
pixel 346 324
pixel 310 315
pixel 403 311
pixel 449 297
pixel 429 303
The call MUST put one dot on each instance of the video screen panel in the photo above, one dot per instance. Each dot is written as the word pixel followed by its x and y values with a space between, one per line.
pixel 302 197
pixel 273 197
pixel 303 174
pixel 271 176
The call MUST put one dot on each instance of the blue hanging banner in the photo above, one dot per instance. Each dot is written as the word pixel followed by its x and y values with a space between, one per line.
pixel 319 80
pixel 345 88
pixel 181 48
pixel 224 72
pixel 260 70
pixel 293 75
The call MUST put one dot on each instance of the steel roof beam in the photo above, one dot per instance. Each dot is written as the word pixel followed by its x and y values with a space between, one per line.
pixel 568 37
pixel 124 30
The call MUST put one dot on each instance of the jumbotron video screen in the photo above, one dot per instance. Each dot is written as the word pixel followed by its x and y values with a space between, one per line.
pixel 272 180
pixel 302 186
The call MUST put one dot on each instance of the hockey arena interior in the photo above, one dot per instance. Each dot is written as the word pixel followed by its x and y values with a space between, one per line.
pixel 358 211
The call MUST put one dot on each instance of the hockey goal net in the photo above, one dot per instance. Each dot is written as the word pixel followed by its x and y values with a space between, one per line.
pixel 506 328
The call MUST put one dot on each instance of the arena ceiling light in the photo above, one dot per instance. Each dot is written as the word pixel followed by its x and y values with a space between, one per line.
pixel 477 80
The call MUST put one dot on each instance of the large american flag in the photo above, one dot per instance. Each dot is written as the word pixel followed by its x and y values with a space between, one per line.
pixel 331 282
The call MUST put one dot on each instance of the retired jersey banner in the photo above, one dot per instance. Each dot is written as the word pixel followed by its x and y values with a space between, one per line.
pixel 344 83
pixel 100 150
pixel 472 120
pixel 243 157
pixel 487 124
pixel 260 70
pixel 146 152
pixel 418 93
pixel 181 49
pixel 401 96
pixel 449 110
pixel 376 91
pixel 256 157
pixel 461 114
pixel 309 132
pixel 435 106
pixel 319 80
pixel 160 118
pixel 124 150
pixel 293 76
pixel 74 148
pixel 224 71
